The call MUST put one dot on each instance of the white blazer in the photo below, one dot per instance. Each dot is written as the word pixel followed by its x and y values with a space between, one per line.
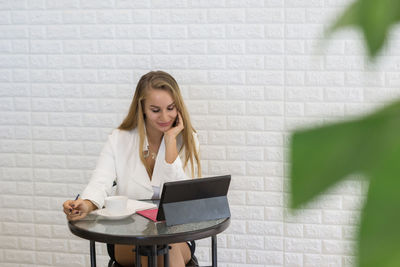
pixel 119 160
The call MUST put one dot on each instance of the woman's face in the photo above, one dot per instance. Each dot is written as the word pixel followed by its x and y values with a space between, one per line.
pixel 160 110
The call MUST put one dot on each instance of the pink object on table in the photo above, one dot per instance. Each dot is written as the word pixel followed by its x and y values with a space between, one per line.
pixel 149 214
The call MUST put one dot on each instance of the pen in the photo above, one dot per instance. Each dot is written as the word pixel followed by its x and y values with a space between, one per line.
pixel 72 205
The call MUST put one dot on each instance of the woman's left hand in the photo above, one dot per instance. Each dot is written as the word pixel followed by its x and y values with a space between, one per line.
pixel 171 152
pixel 173 132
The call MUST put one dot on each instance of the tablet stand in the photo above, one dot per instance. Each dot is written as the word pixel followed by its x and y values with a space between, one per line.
pixel 190 211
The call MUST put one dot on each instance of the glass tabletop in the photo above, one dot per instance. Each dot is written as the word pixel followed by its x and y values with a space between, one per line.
pixel 139 230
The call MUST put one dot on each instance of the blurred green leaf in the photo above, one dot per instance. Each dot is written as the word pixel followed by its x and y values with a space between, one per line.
pixel 373 17
pixel 370 145
pixel 379 235
pixel 376 17
pixel 324 156
pixel 348 18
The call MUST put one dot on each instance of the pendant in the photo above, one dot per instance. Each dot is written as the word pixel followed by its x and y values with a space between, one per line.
pixel 146 154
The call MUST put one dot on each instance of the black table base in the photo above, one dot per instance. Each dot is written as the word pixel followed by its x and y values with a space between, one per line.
pixel 153 251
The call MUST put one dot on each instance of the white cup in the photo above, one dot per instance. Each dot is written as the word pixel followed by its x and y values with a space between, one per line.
pixel 116 204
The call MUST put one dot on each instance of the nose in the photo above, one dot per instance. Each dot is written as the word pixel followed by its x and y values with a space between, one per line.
pixel 164 116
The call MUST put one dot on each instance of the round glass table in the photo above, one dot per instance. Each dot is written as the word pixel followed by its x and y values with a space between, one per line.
pixel 142 232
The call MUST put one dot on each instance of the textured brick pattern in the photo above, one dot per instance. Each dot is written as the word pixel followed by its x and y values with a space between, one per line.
pixel 250 71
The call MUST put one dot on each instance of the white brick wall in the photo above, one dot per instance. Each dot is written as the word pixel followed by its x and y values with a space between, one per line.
pixel 250 71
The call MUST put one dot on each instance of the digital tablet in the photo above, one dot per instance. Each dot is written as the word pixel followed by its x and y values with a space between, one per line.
pixel 193 190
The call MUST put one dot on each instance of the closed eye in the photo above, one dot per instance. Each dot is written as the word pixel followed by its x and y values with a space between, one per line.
pixel 156 109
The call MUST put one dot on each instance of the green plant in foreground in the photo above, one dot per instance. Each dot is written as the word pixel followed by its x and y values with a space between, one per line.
pixel 323 156
pixel 374 18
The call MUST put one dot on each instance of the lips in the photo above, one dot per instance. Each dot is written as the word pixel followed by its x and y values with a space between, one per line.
pixel 166 124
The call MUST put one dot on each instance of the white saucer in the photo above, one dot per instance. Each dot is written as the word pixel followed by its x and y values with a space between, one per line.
pixel 115 216
pixel 132 207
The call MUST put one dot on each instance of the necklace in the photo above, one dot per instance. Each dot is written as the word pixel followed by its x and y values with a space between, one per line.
pixel 147 153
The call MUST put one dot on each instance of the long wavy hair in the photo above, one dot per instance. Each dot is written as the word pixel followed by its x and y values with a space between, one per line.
pixel 161 80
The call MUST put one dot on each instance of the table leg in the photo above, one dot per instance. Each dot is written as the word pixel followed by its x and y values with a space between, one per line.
pixel 92 254
pixel 166 257
pixel 152 260
pixel 214 250
pixel 138 256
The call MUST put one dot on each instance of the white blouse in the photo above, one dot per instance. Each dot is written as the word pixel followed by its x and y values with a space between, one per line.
pixel 119 161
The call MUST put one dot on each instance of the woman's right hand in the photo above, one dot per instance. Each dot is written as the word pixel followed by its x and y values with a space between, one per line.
pixel 77 209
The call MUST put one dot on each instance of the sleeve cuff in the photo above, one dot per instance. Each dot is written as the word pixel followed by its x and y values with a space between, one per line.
pixel 174 165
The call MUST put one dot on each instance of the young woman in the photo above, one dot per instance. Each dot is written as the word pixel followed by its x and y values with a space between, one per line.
pixel 155 143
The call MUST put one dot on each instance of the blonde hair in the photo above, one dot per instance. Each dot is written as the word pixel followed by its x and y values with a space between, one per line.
pixel 161 80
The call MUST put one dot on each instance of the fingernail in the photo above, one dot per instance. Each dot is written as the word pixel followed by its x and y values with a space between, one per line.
pixel 72 205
